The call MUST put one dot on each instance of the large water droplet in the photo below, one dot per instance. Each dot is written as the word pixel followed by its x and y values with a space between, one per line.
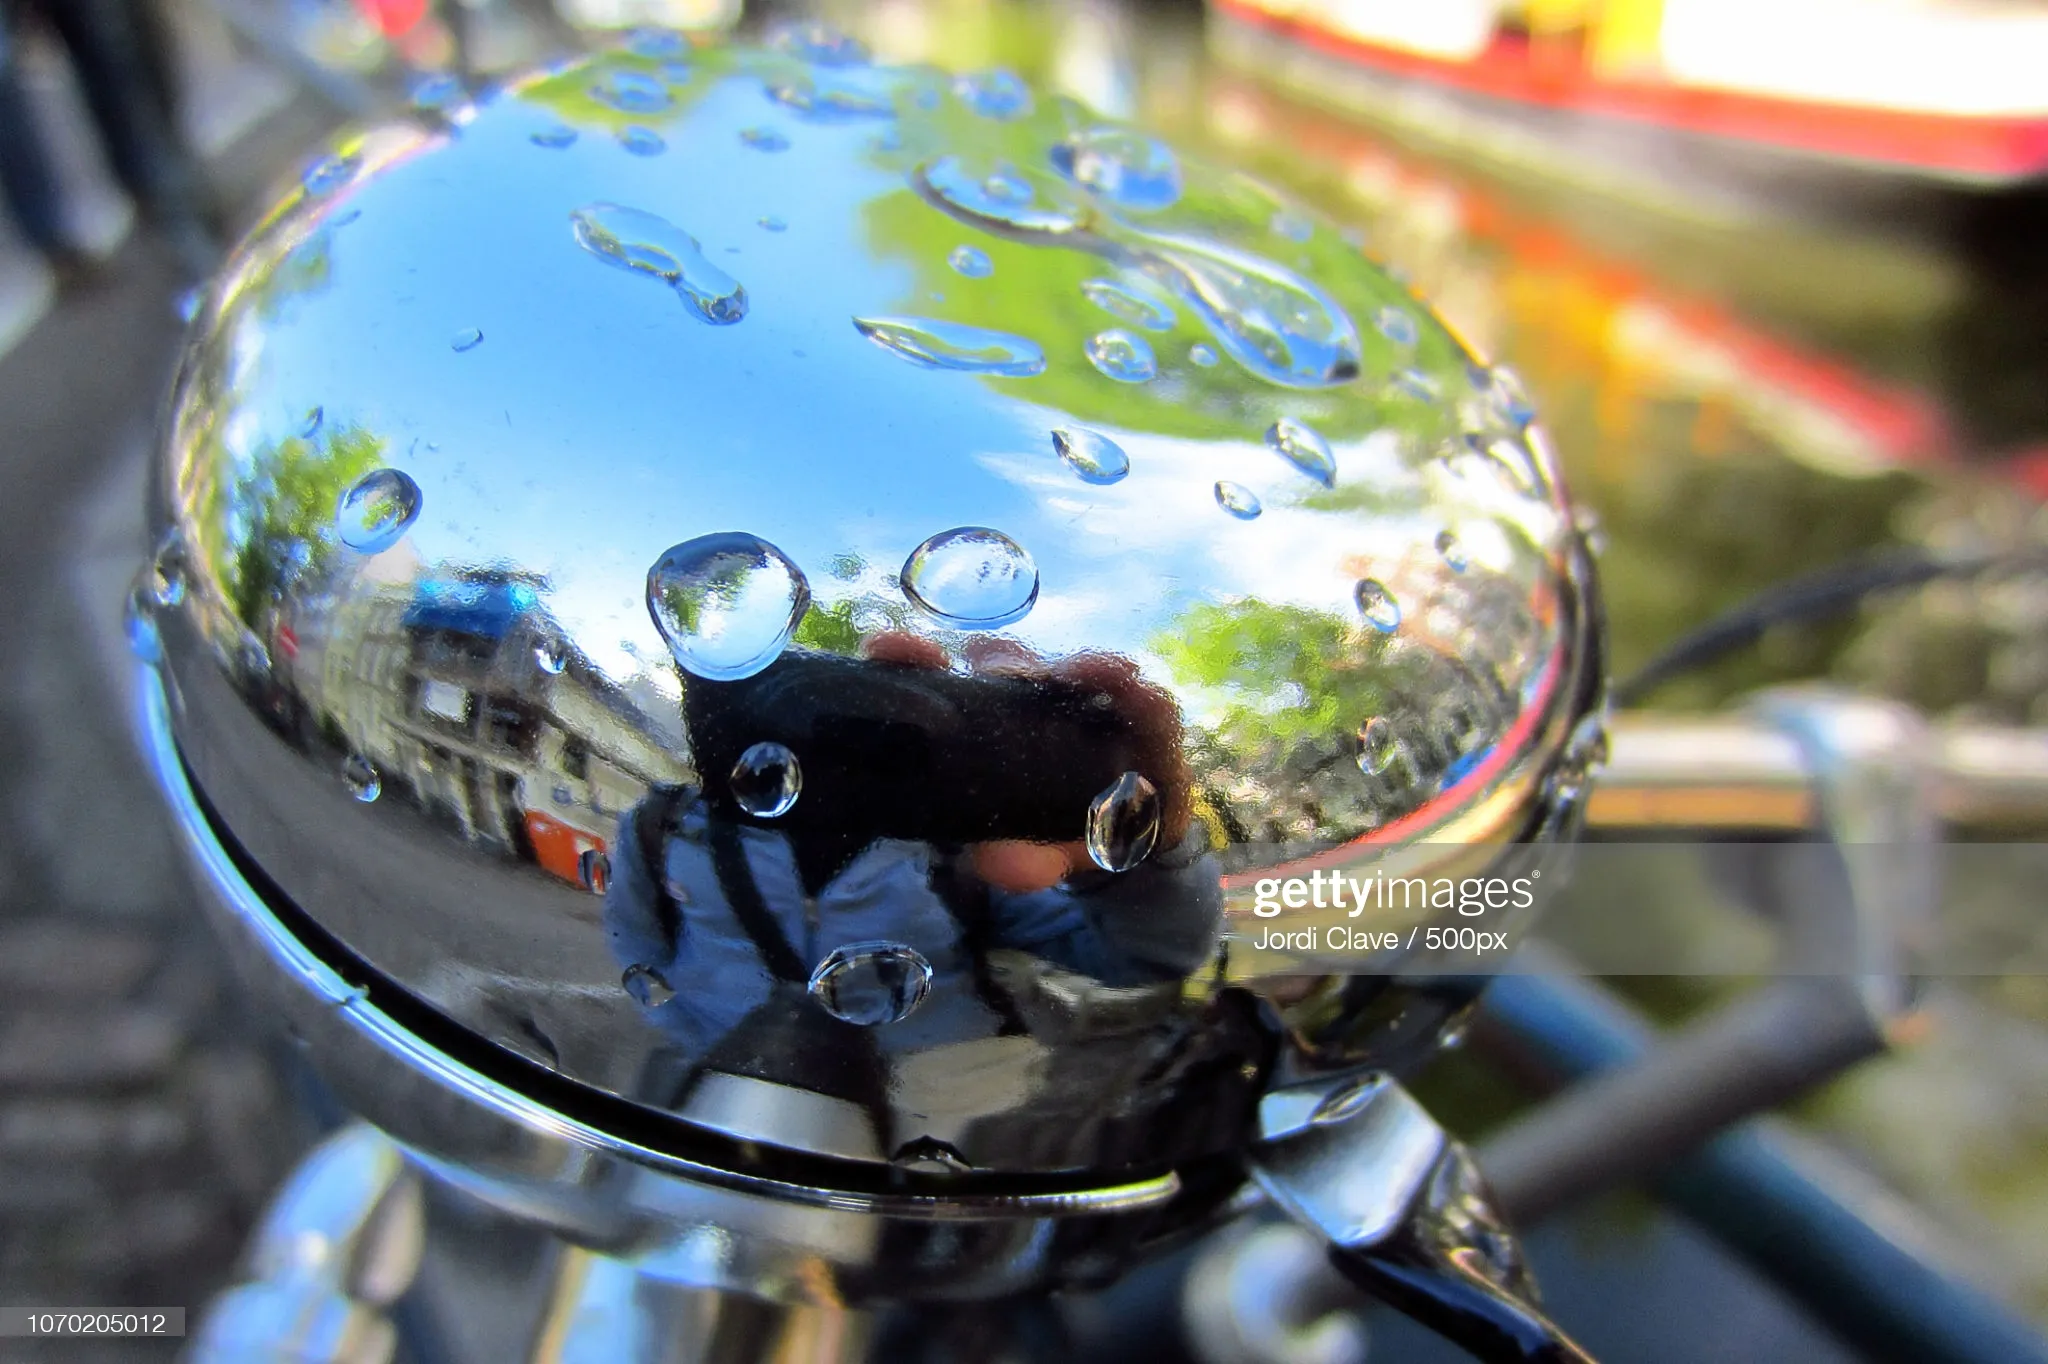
pixel 641 141
pixel 559 136
pixel 648 987
pixel 1240 501
pixel 1202 356
pixel 1000 94
pixel 1447 544
pixel 469 338
pixel 1123 823
pixel 1378 746
pixel 972 577
pixel 381 507
pixel 330 173
pixel 594 871
pixel 872 983
pixel 635 240
pixel 631 92
pixel 764 139
pixel 1002 200
pixel 954 345
pixel 551 656
pixel 1092 455
pixel 766 780
pixel 1125 167
pixel 1304 447
pixel 816 41
pixel 822 98
pixel 1128 304
pixel 971 261
pixel 726 604
pixel 167 570
pixel 1270 320
pixel 361 778
pixel 930 1156
pixel 1396 325
pixel 1377 605
pixel 1124 356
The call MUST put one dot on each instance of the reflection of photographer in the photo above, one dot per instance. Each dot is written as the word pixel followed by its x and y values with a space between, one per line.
pixel 941 812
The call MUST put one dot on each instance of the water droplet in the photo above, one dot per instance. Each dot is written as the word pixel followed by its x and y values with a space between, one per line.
pixel 766 780
pixel 771 223
pixel 1240 501
pixel 655 42
pixel 309 426
pixel 1377 605
pixel 1396 325
pixel 998 94
pixel 1304 447
pixel 641 141
pixel 631 92
pixel 872 983
pixel 971 261
pixel 167 571
pixel 649 988
pixel 1123 823
pixel 1270 320
pixel 380 507
pixel 930 1156
pixel 726 604
pixel 1417 385
pixel 1124 356
pixel 1346 1101
pixel 1454 553
pixel 633 240
pixel 330 173
pixel 1202 355
pixel 1095 457
pixel 816 41
pixel 1378 747
pixel 1509 401
pixel 437 90
pixel 469 338
pixel 820 98
pixel 361 778
pixel 555 138
pixel 187 304
pixel 1002 200
pixel 1125 167
pixel 954 345
pixel 764 139
pixel 1293 226
pixel 1128 304
pixel 972 577
pixel 551 656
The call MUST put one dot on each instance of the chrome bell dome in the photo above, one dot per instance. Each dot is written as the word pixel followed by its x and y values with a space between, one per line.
pixel 791 615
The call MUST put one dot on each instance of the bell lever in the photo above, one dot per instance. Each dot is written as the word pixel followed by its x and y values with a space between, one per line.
pixel 1408 1218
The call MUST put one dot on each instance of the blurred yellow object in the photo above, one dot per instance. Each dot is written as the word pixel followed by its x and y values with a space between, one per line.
pixel 1627 39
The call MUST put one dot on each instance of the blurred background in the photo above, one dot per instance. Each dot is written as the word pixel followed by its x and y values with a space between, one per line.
pixel 1775 276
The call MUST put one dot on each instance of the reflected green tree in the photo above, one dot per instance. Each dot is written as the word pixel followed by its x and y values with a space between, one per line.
pixel 278 522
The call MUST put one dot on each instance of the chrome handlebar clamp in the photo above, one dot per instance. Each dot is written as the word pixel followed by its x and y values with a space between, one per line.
pixel 745 639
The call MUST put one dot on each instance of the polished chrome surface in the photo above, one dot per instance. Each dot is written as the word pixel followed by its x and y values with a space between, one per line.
pixel 649 612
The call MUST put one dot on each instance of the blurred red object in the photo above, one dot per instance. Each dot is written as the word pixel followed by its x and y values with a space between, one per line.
pixel 394 18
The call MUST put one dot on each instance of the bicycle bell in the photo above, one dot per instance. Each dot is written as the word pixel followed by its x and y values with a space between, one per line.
pixel 746 637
